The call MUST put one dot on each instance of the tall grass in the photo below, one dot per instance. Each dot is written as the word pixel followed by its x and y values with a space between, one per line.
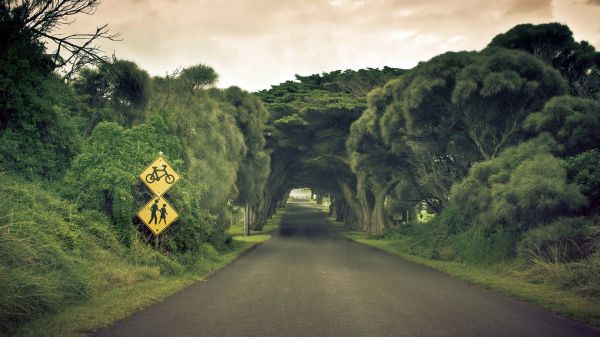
pixel 52 256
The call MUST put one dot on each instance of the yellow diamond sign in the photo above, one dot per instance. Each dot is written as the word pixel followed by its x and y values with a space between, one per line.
pixel 159 176
pixel 157 215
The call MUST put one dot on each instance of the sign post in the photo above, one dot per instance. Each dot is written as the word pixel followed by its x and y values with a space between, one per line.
pixel 157 214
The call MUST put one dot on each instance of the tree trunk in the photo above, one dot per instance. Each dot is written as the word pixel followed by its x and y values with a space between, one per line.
pixel 365 205
pixel 378 219
pixel 352 210
pixel 271 196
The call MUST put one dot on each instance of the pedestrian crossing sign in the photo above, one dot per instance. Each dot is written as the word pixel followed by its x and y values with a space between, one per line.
pixel 157 214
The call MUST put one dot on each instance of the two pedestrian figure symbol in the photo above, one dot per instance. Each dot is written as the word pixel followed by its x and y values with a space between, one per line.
pixel 163 213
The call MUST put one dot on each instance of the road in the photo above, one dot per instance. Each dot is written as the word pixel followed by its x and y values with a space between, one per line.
pixel 310 281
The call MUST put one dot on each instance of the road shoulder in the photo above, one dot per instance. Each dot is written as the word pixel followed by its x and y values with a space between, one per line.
pixel 499 278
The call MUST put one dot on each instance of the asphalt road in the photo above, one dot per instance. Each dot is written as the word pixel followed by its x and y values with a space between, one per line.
pixel 310 281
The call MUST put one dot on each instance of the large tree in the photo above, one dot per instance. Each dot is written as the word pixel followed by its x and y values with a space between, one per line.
pixel 310 122
pixel 429 125
pixel 554 43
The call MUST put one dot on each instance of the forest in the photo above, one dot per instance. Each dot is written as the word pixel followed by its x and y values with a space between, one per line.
pixel 499 148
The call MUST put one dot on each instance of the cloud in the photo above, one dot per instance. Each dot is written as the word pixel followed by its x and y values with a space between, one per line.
pixel 531 6
pixel 593 2
pixel 256 43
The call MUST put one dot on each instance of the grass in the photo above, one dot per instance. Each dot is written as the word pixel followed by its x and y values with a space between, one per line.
pixel 237 230
pixel 106 307
pixel 65 272
pixel 499 277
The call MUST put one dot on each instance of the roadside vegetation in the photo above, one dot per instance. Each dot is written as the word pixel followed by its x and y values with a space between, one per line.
pixel 488 160
pixel 484 159
pixel 74 135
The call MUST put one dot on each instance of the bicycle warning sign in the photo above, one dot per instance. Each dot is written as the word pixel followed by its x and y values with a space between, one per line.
pixel 159 176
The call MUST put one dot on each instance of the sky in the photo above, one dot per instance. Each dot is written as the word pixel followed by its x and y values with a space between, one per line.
pixel 254 44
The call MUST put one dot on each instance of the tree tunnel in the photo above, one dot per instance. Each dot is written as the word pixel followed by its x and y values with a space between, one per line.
pixel 380 142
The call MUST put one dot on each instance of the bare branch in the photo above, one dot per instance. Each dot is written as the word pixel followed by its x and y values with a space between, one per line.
pixel 70 52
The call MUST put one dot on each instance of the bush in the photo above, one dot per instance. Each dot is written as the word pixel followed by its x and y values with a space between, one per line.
pixel 584 170
pixel 103 176
pixel 565 239
pixel 524 187
pixel 479 247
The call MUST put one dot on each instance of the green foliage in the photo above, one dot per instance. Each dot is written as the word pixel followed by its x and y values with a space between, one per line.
pixel 213 146
pixel 553 43
pixel 251 117
pixel 39 115
pixel 357 83
pixel 536 192
pixel 116 92
pixel 524 187
pixel 53 255
pixel 456 109
pixel 197 77
pixel 574 123
pixel 584 170
pixel 563 240
pixel 477 247
pixel 104 175
pixel 309 124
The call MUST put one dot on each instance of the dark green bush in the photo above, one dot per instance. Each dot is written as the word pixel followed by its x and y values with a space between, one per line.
pixel 584 170
pixel 563 240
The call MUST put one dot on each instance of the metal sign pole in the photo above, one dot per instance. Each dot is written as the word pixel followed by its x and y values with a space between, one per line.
pixel 246 220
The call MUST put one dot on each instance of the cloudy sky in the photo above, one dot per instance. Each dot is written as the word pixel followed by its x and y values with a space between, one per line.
pixel 256 43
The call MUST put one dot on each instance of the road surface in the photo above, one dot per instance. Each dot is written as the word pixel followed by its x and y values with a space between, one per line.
pixel 310 281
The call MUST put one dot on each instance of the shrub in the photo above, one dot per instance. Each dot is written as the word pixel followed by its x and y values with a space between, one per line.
pixel 523 187
pixel 565 239
pixel 103 176
pixel 480 247
pixel 584 170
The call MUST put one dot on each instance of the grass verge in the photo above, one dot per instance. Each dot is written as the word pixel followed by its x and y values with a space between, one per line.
pixel 107 307
pixel 498 277
pixel 237 230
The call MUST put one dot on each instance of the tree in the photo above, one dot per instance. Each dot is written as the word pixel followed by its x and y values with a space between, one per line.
pixel 417 117
pixel 494 94
pixel 310 122
pixel 213 144
pixel 251 116
pixel 118 92
pixel 459 108
pixel 574 123
pixel 40 117
pixel 197 77
pixel 377 169
pixel 584 170
pixel 40 19
pixel 553 43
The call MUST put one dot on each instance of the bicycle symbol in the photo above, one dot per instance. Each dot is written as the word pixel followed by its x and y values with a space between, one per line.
pixel 154 176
